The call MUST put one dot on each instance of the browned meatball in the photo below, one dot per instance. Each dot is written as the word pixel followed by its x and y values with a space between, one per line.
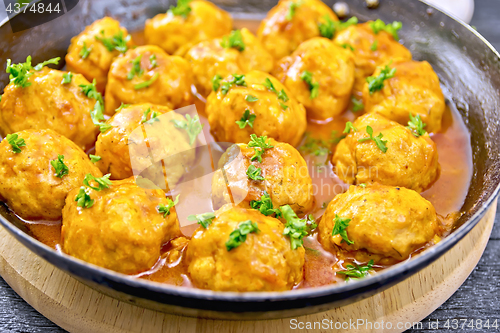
pixel 47 103
pixel 283 175
pixel 414 89
pixel 255 103
pixel 370 49
pixel 239 52
pixel 30 183
pixel 123 230
pixel 320 75
pixel 190 23
pixel 290 23
pixel 147 74
pixel 408 161
pixel 386 222
pixel 264 261
pixel 92 51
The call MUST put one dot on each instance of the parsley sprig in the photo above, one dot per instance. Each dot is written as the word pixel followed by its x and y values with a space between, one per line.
pixel 381 144
pixel 192 126
pixel 376 83
pixel 265 205
pixel 239 235
pixel 204 219
pixel 182 9
pixel 147 83
pixel 83 198
pixel 98 119
pixel 16 142
pixel 233 40
pixel 330 27
pixel 116 42
pixel 153 61
pixel 152 118
pixel 165 209
pixel 90 90
pixel 316 147
pixel 20 73
pixel 340 227
pixel 348 127
pixel 416 126
pixel 295 228
pixel 307 77
pixel 85 51
pixel 357 104
pixel 246 119
pixel 236 80
pixel 292 7
pixel 391 28
pixel 281 94
pixel 357 272
pixel 67 77
pixel 136 69
pixel 94 158
pixel 60 168
pixel 216 82
pixel 254 173
pixel 259 145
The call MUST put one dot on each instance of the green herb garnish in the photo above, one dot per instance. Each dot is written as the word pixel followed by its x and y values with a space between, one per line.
pixel 152 119
pixel 233 40
pixel 236 80
pixel 381 144
pixel 122 106
pixel 83 198
pixel 182 9
pixel 153 61
pixel 239 235
pixel 117 42
pixel 94 158
pixel 292 7
pixel 347 45
pixel 376 83
pixel 20 73
pixel 295 228
pixel 97 117
pixel 147 83
pixel 254 173
pixel 216 82
pixel 204 219
pixel 374 46
pixel 357 104
pixel 136 69
pixel 265 205
pixel 348 127
pixel 307 77
pixel 16 142
pixel 192 126
pixel 67 77
pixel 330 27
pixel 102 182
pixel 314 146
pixel 416 126
pixel 59 166
pixel 339 228
pixel 259 145
pixel 246 119
pixel 165 209
pixel 250 98
pixel 357 272
pixel 391 28
pixel 85 51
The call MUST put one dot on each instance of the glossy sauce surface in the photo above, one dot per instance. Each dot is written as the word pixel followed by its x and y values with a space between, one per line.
pixel 447 194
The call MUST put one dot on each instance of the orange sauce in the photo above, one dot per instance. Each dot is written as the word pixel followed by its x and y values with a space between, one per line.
pixel 447 194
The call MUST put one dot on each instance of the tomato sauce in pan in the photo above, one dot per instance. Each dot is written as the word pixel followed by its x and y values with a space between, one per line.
pixel 447 194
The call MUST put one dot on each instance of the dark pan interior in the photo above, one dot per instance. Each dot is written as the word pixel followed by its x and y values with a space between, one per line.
pixel 466 64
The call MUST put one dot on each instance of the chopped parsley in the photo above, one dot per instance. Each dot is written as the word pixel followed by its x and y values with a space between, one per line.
pixel 357 104
pixel 259 145
pixel 153 61
pixel 340 227
pixel 216 82
pixel 122 106
pixel 83 198
pixel 251 98
pixel 67 77
pixel 307 77
pixel 102 182
pixel 147 83
pixel 381 144
pixel 94 158
pixel 416 126
pixel 90 90
pixel 254 173
pixel 165 209
pixel 204 219
pixel 182 9
pixel 362 185
pixel 152 118
pixel 236 80
pixel 117 42
pixel 376 83
pixel 192 126
pixel 59 166
pixel 233 40
pixel 330 27
pixel 374 46
pixel 347 45
pixel 246 119
pixel 391 28
pixel 357 272
pixel 348 127
pixel 239 235
pixel 136 69
pixel 85 51
pixel 20 73
pixel 16 142
pixel 295 228
pixel 97 117
pixel 292 7
pixel 316 147
pixel 281 94
pixel 265 205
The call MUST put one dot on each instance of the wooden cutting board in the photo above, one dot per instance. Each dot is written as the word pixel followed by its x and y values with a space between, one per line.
pixel 78 308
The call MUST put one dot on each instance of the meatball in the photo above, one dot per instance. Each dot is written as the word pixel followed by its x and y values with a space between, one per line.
pixel 408 161
pixel 390 222
pixel 290 23
pixel 414 88
pixel 147 74
pixel 370 50
pixel 239 52
pixel 92 51
pixel 264 261
pixel 255 103
pixel 49 104
pixel 287 180
pixel 320 75
pixel 125 141
pixel 188 24
pixel 36 177
pixel 123 230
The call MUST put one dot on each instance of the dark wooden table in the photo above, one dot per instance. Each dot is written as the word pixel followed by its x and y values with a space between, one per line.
pixel 477 298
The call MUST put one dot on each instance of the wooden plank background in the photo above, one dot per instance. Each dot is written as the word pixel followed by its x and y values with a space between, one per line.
pixel 476 299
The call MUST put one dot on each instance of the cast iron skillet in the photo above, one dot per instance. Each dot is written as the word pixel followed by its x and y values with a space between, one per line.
pixel 467 65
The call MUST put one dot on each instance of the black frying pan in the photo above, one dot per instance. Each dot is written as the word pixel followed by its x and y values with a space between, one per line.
pixel 467 65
